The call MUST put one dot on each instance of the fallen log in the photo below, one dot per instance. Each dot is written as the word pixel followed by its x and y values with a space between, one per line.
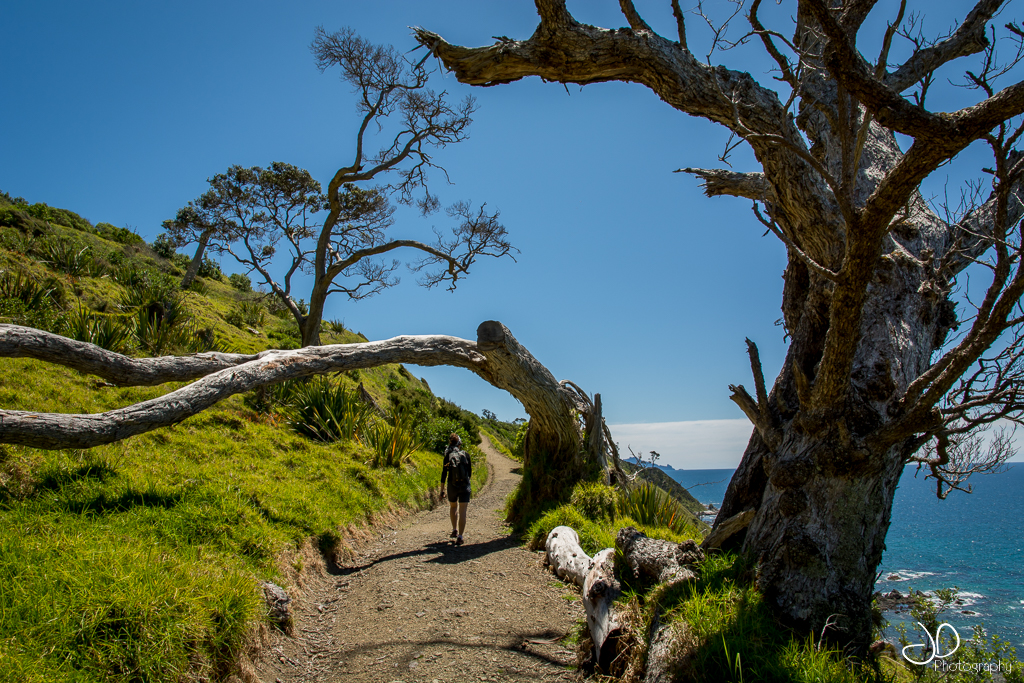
pixel 657 560
pixel 124 371
pixel 663 656
pixel 600 590
pixel 497 358
pixel 565 556
pixel 727 529
pixel 554 451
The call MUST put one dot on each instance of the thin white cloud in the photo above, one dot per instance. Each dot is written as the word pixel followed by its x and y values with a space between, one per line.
pixel 708 444
pixel 693 445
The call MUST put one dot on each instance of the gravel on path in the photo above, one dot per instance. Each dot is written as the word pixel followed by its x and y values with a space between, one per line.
pixel 413 607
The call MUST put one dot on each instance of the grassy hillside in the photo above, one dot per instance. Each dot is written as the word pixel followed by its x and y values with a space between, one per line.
pixel 140 561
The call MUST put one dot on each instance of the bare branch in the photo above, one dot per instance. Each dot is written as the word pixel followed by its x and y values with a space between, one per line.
pixel 954 457
pixel 968 39
pixel 120 370
pixel 762 393
pixel 718 182
pixel 636 22
pixel 680 24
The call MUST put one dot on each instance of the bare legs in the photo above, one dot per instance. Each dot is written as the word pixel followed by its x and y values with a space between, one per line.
pixel 457 512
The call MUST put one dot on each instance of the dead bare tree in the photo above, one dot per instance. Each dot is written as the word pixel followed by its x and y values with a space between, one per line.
pixel 872 374
pixel 563 421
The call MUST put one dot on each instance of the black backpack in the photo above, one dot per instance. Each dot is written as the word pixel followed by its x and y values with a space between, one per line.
pixel 458 466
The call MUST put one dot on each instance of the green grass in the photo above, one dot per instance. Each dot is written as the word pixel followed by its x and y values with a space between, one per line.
pixel 597 524
pixel 140 560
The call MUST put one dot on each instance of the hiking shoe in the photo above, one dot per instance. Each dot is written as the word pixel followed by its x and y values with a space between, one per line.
pixel 459 541
pixel 453 534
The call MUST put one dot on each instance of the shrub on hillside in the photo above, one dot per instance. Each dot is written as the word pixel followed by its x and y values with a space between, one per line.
pixel 274 398
pixel 12 239
pixel 392 441
pixel 470 423
pixel 121 235
pixel 58 216
pixel 248 314
pixel 650 505
pixel 26 301
pixel 163 246
pixel 69 257
pixel 240 282
pixel 210 269
pixel 20 285
pixel 325 411
pixel 595 500
pixel 112 333
pixel 5 198
pixel 435 432
pixel 519 443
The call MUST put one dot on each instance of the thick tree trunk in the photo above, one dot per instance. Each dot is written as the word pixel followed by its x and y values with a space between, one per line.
pixel 820 531
pixel 553 460
pixel 822 490
pixel 310 324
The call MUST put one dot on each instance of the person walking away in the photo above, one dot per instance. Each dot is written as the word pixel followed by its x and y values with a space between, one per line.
pixel 457 469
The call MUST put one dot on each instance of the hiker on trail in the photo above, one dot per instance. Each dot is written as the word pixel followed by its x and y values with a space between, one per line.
pixel 457 470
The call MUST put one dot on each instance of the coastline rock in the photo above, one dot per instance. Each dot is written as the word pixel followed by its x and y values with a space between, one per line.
pixel 894 577
pixel 891 601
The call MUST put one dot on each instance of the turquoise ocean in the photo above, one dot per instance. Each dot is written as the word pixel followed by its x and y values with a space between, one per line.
pixel 972 541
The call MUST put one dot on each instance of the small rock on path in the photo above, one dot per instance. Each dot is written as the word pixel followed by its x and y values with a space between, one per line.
pixel 413 607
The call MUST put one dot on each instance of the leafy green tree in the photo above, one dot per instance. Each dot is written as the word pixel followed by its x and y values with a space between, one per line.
pixel 278 223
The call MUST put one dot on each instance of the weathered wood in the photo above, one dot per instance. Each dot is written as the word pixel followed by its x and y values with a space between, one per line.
pixel 500 360
pixel 663 637
pixel 600 590
pixel 726 529
pixel 871 269
pixel 27 342
pixel 565 556
pixel 510 366
pixel 657 560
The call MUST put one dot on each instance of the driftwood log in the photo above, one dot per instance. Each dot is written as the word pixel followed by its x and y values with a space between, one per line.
pixel 655 560
pixel 554 449
pixel 645 559
pixel 565 556
pixel 600 591
pixel 500 360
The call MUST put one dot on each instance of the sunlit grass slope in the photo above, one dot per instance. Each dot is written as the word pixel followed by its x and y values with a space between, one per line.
pixel 141 560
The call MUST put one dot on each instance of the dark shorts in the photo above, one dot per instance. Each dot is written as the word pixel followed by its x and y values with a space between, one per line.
pixel 458 495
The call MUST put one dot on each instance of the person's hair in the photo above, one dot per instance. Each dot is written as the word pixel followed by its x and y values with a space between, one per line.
pixel 454 439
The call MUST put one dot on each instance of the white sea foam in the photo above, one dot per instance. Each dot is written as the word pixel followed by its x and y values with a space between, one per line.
pixel 908 575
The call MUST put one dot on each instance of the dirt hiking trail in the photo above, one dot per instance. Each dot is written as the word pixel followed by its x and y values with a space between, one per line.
pixel 415 608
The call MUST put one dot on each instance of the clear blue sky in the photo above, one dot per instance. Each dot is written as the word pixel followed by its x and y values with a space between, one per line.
pixel 630 282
